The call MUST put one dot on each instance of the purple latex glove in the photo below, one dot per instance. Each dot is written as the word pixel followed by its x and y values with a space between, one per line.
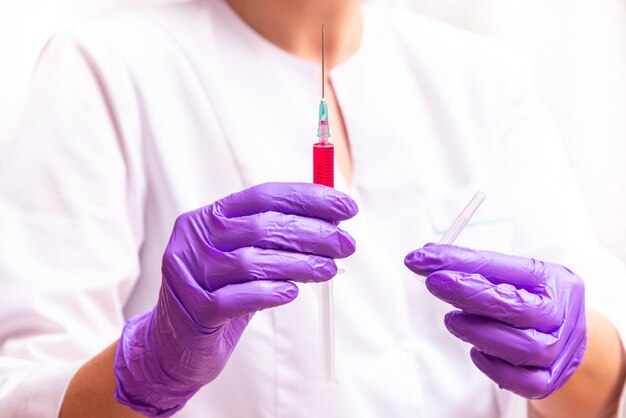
pixel 525 318
pixel 223 263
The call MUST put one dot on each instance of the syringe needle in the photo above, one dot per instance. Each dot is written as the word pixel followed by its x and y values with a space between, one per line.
pixel 323 75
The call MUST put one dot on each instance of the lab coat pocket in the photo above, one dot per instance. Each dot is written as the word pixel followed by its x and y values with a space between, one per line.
pixel 489 229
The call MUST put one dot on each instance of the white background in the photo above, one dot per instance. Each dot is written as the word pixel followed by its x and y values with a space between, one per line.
pixel 578 48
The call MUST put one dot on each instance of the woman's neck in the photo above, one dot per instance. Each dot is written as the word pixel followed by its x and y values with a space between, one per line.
pixel 295 25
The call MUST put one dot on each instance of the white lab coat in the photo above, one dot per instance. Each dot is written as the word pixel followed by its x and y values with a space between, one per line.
pixel 134 120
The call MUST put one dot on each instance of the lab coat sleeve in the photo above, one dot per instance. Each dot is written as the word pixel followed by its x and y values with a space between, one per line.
pixel 70 207
pixel 549 217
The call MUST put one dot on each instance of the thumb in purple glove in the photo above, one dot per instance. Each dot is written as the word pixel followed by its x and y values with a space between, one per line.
pixel 223 263
pixel 525 318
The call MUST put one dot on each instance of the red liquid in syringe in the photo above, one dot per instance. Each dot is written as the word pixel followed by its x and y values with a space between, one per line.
pixel 324 159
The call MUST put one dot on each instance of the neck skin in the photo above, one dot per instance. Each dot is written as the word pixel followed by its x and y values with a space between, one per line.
pixel 295 26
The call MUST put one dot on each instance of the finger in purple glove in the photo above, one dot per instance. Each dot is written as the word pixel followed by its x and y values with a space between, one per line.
pixel 508 343
pixel 474 294
pixel 274 230
pixel 304 199
pixel 528 382
pixel 521 272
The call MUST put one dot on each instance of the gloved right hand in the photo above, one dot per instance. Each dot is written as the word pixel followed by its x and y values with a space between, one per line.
pixel 223 263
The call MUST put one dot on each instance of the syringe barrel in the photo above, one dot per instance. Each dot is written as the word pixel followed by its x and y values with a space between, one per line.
pixel 324 164
pixel 324 173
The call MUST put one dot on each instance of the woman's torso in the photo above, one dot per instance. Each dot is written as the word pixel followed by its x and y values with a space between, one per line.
pixel 222 110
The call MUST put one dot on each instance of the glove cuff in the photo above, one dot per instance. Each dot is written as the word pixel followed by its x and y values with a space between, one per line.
pixel 140 383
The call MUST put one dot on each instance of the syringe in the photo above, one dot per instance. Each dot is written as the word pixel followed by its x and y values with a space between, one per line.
pixel 324 173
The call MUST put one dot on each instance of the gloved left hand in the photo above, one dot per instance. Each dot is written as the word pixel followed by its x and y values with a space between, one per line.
pixel 525 318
